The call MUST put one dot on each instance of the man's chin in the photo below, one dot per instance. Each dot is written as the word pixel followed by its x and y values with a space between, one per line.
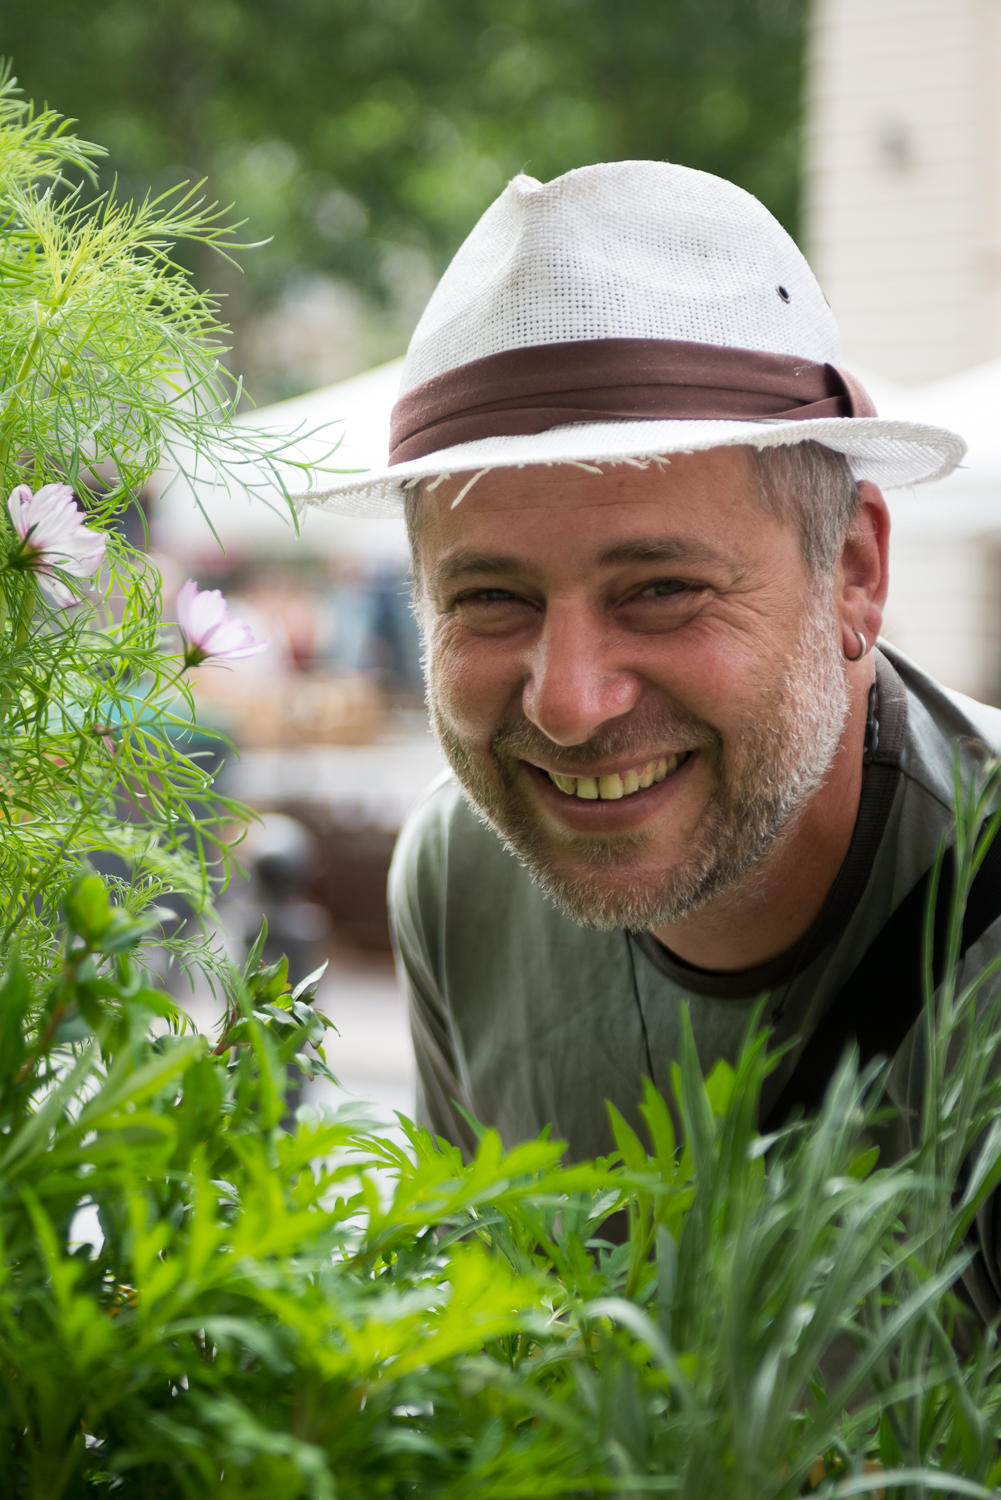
pixel 624 880
pixel 597 881
pixel 605 896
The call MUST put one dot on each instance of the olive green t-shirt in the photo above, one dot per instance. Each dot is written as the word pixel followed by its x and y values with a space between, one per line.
pixel 527 1019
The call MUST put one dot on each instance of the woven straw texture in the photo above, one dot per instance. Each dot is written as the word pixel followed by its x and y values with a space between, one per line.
pixel 633 249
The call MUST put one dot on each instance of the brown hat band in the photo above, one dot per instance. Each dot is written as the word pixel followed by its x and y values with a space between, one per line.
pixel 523 391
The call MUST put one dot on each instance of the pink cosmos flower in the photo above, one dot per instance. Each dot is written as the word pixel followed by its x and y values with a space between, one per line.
pixel 54 534
pixel 208 630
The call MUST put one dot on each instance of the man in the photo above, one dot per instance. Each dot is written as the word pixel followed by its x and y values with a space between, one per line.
pixel 650 562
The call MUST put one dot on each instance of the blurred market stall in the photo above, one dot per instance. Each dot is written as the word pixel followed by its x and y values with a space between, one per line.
pixel 342 669
pixel 332 740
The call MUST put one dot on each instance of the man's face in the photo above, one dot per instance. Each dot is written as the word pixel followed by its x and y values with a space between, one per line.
pixel 633 674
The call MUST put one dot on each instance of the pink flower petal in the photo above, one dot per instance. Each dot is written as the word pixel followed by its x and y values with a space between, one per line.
pixel 61 595
pixel 54 534
pixel 203 616
pixel 20 499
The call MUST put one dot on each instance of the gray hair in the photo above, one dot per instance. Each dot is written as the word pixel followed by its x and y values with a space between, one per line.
pixel 802 482
pixel 815 487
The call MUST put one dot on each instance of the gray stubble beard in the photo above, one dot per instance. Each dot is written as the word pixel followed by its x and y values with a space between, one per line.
pixel 764 782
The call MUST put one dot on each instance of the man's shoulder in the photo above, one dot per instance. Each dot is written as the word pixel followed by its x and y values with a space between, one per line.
pixel 444 842
pixel 440 815
pixel 940 720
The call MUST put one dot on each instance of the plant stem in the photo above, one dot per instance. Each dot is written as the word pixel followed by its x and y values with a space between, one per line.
pixel 26 613
pixel 45 1040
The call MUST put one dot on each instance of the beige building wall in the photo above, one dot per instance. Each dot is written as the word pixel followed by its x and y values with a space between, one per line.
pixel 903 180
pixel 943 610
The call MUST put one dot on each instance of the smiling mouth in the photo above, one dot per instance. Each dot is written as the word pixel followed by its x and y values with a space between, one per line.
pixel 611 788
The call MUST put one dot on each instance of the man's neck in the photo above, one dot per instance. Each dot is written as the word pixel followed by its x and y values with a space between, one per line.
pixel 779 900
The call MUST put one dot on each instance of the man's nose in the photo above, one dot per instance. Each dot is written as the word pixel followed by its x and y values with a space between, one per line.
pixel 575 681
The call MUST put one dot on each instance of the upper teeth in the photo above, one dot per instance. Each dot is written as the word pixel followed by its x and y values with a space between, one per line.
pixel 610 788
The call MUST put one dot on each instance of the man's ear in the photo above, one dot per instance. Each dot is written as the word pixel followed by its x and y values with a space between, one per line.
pixel 862 577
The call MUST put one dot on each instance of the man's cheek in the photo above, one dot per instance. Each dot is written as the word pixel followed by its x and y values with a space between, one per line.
pixel 468 684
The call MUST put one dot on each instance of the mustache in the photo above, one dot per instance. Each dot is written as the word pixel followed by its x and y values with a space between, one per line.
pixel 638 736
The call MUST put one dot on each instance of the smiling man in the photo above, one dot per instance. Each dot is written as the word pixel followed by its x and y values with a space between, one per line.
pixel 642 700
pixel 650 558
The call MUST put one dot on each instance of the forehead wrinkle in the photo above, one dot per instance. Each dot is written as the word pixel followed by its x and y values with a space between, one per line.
pixel 665 549
pixel 636 550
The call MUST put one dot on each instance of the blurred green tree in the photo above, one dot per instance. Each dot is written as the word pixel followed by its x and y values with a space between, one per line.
pixel 364 137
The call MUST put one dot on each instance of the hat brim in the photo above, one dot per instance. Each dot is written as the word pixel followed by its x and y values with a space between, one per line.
pixel 889 453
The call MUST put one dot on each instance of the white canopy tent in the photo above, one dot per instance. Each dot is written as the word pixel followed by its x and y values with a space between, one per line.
pixel 354 416
pixel 945 590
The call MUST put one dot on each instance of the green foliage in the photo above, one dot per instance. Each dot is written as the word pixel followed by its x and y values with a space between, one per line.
pixel 352 130
pixel 109 362
pixel 278 1307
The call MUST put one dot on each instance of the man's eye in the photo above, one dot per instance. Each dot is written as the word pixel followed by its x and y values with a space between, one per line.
pixel 662 588
pixel 492 611
pixel 487 596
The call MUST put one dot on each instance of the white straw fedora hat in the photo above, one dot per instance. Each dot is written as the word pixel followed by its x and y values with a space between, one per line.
pixel 621 312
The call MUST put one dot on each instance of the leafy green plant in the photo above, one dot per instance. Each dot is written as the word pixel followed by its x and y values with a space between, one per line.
pixel 109 367
pixel 312 1309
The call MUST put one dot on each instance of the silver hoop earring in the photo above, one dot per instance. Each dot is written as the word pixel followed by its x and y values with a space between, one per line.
pixel 864 646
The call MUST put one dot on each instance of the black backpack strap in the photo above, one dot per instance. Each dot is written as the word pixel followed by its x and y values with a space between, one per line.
pixel 881 1001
